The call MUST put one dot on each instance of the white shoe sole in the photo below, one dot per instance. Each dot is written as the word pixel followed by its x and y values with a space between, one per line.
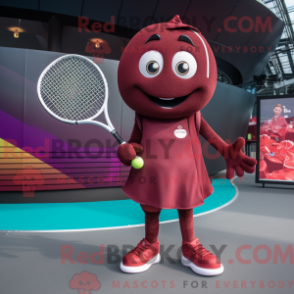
pixel 200 270
pixel 139 269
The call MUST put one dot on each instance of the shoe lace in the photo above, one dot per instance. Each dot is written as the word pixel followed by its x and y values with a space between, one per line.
pixel 139 248
pixel 199 250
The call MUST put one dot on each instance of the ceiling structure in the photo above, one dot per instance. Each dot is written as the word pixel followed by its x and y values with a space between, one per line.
pixel 278 75
pixel 211 17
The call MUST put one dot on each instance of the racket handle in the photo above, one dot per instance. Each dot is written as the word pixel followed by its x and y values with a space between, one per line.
pixel 137 162
pixel 118 138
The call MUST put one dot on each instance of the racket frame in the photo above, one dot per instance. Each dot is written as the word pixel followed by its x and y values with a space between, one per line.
pixel 109 127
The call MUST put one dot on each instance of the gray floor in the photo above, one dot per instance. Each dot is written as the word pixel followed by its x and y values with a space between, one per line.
pixel 30 263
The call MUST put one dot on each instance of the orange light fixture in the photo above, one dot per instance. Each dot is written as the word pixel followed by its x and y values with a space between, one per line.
pixel 16 31
pixel 16 34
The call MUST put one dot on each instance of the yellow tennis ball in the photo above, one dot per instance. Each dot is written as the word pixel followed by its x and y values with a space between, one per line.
pixel 137 162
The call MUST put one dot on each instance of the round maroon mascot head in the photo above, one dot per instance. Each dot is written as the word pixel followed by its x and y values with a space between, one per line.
pixel 167 71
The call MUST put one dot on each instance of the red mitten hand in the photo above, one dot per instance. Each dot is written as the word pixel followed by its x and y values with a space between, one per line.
pixel 128 151
pixel 237 160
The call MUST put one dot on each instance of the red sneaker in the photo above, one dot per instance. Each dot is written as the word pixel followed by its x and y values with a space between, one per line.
pixel 141 257
pixel 199 259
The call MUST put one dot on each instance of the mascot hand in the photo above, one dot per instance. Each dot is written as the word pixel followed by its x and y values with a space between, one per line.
pixel 128 151
pixel 237 160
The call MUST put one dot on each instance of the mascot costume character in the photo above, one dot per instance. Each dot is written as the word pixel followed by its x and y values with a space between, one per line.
pixel 167 74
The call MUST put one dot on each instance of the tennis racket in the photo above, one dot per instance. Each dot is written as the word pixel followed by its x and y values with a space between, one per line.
pixel 73 89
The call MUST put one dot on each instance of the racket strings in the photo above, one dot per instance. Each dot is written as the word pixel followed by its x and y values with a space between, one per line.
pixel 76 104
pixel 73 89
pixel 94 93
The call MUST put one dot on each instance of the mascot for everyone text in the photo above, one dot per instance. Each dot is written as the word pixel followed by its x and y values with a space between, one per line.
pixel 167 74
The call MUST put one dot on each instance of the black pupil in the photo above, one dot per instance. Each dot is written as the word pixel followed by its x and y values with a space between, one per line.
pixel 153 67
pixel 183 67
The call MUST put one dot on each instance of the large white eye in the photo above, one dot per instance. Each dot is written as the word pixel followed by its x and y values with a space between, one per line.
pixel 150 64
pixel 184 65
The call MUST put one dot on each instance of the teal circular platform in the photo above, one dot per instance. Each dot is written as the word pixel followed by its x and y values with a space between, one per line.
pixel 99 215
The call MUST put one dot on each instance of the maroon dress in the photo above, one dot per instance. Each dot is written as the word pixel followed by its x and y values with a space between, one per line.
pixel 174 175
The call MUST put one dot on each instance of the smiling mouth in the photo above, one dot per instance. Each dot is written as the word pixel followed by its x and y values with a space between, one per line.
pixel 167 103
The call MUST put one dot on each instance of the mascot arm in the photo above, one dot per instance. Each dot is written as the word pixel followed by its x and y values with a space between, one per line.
pixel 128 151
pixel 236 160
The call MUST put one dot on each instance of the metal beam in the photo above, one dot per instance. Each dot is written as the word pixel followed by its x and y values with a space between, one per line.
pixel 290 60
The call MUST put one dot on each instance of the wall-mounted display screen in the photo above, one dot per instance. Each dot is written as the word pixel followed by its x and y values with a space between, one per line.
pixel 275 126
